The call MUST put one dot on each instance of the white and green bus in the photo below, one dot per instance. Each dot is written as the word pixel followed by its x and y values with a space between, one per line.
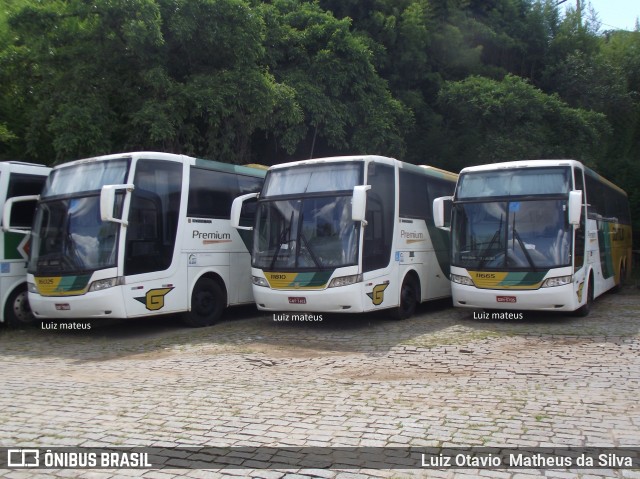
pixel 348 234
pixel 548 235
pixel 139 234
pixel 17 179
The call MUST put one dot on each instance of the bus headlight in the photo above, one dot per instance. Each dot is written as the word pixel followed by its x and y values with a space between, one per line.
pixel 258 281
pixel 557 281
pixel 103 284
pixel 465 280
pixel 345 280
pixel 31 287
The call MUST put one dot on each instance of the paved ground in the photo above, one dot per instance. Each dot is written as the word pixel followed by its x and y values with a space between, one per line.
pixel 441 378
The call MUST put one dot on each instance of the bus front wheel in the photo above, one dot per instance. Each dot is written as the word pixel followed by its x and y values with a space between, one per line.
pixel 408 299
pixel 207 304
pixel 17 312
pixel 585 309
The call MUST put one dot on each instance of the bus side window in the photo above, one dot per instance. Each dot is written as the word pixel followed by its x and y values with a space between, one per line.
pixel 580 231
pixel 381 202
pixel 22 185
pixel 144 232
pixel 153 216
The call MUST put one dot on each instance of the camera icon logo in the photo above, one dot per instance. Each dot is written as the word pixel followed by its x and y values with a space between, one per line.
pixel 23 458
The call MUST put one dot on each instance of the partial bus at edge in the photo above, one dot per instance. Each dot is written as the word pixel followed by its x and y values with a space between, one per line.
pixel 17 179
pixel 349 235
pixel 545 235
pixel 140 234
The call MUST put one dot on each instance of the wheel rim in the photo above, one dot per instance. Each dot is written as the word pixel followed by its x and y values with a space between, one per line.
pixel 21 308
pixel 407 297
pixel 205 302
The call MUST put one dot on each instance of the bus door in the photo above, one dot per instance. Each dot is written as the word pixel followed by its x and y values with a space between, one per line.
pixel 154 281
pixel 380 284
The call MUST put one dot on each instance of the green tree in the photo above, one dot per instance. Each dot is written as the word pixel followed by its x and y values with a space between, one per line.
pixel 347 106
pixel 209 92
pixel 489 121
pixel 73 73
pixel 113 75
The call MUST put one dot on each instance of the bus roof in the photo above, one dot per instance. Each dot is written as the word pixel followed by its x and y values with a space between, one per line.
pixel 333 159
pixel 521 164
pixel 24 167
pixel 155 155
pixel 433 171
pixel 423 169
pixel 538 164
pixel 248 170
pixel 22 163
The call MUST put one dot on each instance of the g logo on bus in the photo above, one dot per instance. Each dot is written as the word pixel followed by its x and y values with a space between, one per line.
pixel 579 292
pixel 377 295
pixel 154 299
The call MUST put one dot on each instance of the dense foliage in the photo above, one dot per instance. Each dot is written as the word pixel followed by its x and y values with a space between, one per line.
pixel 444 82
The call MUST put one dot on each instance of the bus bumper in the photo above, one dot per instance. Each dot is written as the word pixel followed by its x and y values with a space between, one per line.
pixel 96 304
pixel 558 298
pixel 344 299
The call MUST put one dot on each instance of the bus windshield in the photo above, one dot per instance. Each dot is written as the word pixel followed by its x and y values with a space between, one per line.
pixel 511 235
pixel 514 182
pixel 85 177
pixel 69 237
pixel 305 233
pixel 306 179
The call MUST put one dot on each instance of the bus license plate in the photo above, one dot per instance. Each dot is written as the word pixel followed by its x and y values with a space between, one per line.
pixel 297 300
pixel 506 299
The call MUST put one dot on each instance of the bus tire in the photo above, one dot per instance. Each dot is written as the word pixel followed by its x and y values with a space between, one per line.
pixel 623 273
pixel 17 312
pixel 207 303
pixel 408 299
pixel 585 309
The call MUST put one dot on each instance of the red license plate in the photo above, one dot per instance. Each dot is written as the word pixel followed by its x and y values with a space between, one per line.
pixel 506 299
pixel 297 300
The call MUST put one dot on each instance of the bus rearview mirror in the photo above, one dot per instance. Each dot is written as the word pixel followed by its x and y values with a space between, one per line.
pixel 236 210
pixel 440 206
pixel 108 201
pixel 359 203
pixel 575 207
pixel 6 213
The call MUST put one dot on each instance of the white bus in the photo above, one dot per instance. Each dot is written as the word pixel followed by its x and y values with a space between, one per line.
pixel 138 234
pixel 349 234
pixel 17 179
pixel 547 235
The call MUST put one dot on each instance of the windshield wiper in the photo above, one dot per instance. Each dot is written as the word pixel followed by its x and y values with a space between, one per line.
pixel 75 260
pixel 496 235
pixel 303 238
pixel 516 236
pixel 282 240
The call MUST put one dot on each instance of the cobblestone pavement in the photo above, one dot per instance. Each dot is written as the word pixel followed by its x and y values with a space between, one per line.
pixel 442 378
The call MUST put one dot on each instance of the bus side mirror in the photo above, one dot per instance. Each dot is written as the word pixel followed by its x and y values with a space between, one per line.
pixel 359 203
pixel 6 214
pixel 236 210
pixel 575 207
pixel 108 201
pixel 440 206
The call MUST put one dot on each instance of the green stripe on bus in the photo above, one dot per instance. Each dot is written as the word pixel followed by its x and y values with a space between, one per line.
pixel 11 243
pixel 73 283
pixel 312 279
pixel 523 278
pixel 229 168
